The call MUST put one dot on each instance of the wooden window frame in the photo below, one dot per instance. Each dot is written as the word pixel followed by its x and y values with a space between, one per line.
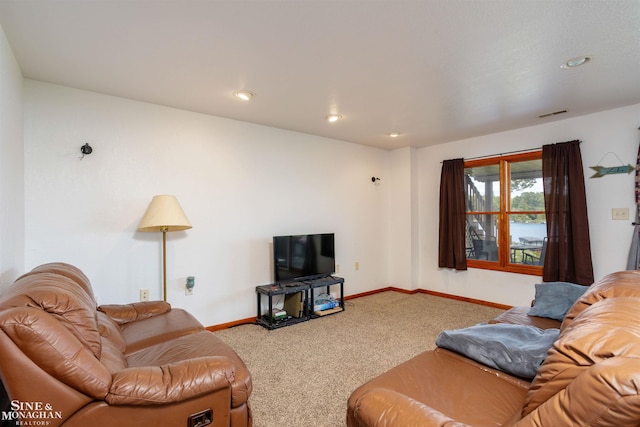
pixel 504 244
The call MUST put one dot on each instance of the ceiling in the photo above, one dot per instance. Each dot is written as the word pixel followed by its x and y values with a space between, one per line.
pixel 433 70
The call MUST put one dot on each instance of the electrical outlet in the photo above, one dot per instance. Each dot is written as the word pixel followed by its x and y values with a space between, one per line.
pixel 357 266
pixel 620 213
pixel 144 294
pixel 337 268
pixel 188 291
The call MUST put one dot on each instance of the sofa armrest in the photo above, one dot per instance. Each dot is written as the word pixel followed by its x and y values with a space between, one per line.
pixel 125 313
pixel 382 407
pixel 159 385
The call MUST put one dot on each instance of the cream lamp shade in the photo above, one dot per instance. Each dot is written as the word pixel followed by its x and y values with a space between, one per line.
pixel 164 214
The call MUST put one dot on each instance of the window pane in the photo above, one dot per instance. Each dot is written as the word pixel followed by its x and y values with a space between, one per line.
pixel 482 237
pixel 526 186
pixel 483 188
pixel 528 234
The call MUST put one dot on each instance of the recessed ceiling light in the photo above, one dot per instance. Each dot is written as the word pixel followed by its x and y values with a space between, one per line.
pixel 575 62
pixel 245 95
pixel 333 118
pixel 394 134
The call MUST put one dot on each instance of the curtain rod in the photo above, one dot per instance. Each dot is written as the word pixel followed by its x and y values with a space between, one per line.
pixel 502 154
pixel 510 152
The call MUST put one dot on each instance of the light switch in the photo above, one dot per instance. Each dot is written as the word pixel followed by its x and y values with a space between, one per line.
pixel 620 213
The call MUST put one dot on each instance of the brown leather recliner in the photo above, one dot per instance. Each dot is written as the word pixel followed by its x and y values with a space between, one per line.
pixel 66 362
pixel 590 377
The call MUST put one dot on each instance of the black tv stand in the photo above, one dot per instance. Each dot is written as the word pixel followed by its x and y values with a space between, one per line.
pixel 304 286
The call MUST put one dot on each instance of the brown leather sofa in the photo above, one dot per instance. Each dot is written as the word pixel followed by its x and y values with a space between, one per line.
pixel 590 377
pixel 66 362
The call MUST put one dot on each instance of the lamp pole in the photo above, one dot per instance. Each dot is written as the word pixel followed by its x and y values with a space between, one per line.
pixel 164 263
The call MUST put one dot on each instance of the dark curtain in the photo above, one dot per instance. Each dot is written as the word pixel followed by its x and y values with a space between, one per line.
pixel 633 261
pixel 568 256
pixel 451 248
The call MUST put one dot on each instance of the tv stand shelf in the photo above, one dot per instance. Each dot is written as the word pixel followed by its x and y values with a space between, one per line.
pixel 306 288
pixel 324 282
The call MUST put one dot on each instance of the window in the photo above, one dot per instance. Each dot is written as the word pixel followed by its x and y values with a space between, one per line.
pixel 506 224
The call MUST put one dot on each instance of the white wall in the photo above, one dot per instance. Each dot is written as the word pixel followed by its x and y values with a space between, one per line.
pixel 239 184
pixel 403 218
pixel 11 167
pixel 604 136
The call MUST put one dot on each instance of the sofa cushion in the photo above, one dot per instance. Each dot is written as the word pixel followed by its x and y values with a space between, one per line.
pixel 143 324
pixel 608 329
pixel 42 337
pixel 520 316
pixel 159 385
pixel 61 297
pixel 554 299
pixel 67 270
pixel 452 385
pixel 199 344
pixel 619 284
pixel 157 329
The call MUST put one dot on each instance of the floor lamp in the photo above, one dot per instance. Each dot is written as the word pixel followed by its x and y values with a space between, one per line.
pixel 164 214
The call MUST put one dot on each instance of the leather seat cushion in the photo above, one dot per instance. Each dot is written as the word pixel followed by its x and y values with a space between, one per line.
pixel 198 344
pixel 519 316
pixel 453 385
pixel 157 329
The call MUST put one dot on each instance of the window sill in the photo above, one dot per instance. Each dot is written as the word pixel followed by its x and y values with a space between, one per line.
pixel 532 270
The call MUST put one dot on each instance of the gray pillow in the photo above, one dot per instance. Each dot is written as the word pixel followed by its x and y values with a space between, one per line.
pixel 554 299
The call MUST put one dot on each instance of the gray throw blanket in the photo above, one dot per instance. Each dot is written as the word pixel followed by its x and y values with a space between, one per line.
pixel 516 349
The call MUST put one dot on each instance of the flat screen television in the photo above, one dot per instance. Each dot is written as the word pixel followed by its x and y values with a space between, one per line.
pixel 306 256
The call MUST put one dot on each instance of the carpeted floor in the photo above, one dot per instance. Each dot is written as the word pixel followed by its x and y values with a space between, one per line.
pixel 303 374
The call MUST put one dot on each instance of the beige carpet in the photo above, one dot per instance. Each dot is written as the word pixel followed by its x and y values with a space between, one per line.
pixel 303 374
